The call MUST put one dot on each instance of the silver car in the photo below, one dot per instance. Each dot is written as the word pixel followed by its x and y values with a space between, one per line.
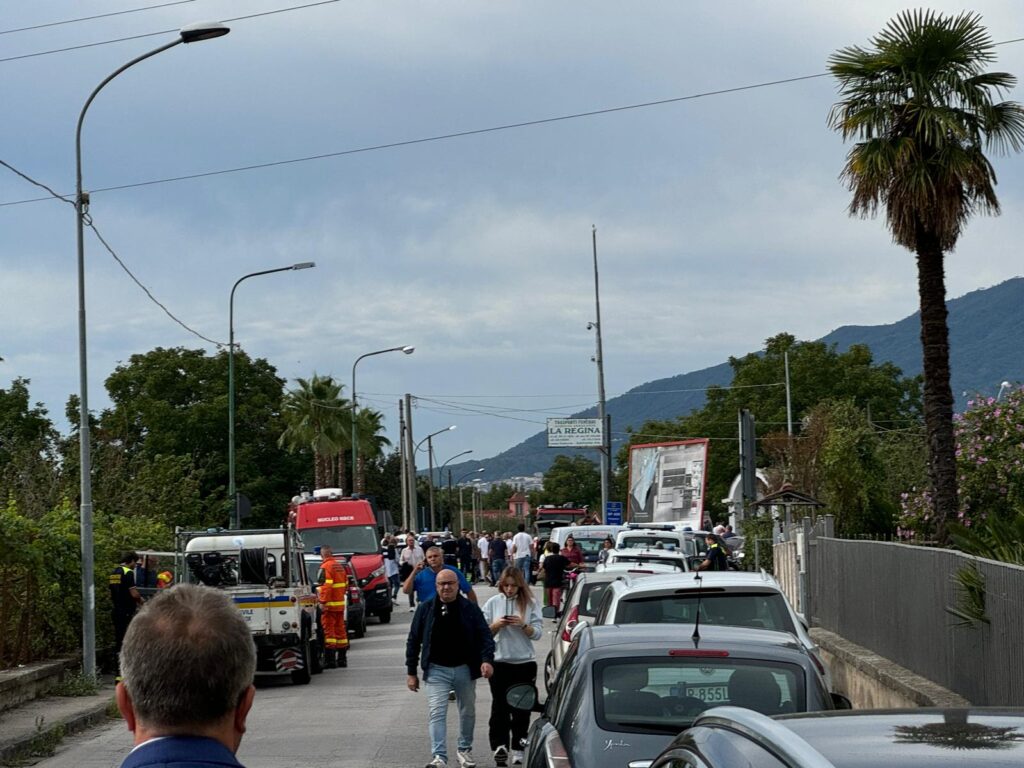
pixel 624 692
pixel 734 598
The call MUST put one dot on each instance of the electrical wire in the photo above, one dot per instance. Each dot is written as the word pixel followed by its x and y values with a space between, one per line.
pixel 161 32
pixel 91 18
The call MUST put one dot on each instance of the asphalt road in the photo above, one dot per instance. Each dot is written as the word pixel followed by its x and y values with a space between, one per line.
pixel 359 717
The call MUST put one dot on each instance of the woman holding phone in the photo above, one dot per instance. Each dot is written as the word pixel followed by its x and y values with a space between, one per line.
pixel 516 623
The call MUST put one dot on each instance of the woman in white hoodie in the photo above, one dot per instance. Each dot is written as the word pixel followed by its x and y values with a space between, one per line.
pixel 516 623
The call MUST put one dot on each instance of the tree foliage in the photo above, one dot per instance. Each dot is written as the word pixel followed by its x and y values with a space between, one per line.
pixel 818 373
pixel 571 479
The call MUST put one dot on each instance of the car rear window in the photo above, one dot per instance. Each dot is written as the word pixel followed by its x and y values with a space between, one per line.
pixel 590 598
pixel 760 610
pixel 661 694
pixel 652 542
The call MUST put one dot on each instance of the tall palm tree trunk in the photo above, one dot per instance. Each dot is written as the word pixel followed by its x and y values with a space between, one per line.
pixel 938 396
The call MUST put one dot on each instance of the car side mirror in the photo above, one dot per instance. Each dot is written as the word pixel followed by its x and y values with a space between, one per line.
pixel 549 612
pixel 841 702
pixel 523 697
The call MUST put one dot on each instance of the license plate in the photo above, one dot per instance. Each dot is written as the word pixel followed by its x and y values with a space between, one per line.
pixel 709 693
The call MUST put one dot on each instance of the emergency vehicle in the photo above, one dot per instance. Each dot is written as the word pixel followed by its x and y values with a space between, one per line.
pixel 263 573
pixel 348 526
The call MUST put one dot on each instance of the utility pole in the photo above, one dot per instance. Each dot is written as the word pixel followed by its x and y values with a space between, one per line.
pixel 403 456
pixel 410 468
pixel 606 441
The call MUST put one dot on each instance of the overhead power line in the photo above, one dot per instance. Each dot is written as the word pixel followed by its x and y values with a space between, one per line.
pixel 91 18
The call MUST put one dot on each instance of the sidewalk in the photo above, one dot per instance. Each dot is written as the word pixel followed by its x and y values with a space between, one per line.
pixel 36 727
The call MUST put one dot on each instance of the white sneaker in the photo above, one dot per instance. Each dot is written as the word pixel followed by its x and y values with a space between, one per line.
pixel 501 757
pixel 437 762
pixel 465 759
pixel 517 757
pixel 412 609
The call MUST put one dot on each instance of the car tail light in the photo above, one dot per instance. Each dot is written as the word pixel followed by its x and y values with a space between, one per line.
pixel 699 653
pixel 554 752
pixel 570 621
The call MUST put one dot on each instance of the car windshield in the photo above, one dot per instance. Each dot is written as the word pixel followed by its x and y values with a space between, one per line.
pixel 348 539
pixel 761 610
pixel 667 558
pixel 590 546
pixel 688 546
pixel 660 694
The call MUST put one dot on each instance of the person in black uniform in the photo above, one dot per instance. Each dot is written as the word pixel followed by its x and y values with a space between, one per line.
pixel 715 559
pixel 124 599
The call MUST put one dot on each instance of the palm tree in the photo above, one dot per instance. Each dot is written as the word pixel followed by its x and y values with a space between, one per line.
pixel 316 419
pixel 372 442
pixel 922 110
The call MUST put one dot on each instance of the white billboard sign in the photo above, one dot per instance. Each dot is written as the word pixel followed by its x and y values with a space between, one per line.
pixel 575 433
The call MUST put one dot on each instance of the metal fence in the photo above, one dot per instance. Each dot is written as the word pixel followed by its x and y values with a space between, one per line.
pixel 893 599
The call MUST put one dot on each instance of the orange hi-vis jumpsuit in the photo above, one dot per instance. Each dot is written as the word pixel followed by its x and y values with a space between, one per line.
pixel 332 593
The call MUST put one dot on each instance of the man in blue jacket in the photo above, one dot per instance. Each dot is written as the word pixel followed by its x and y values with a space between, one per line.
pixel 450 638
pixel 188 662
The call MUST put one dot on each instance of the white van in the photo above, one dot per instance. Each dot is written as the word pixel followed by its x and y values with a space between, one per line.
pixel 589 537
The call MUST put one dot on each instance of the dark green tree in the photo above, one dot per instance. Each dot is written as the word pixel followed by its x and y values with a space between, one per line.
pixel 571 479
pixel 921 108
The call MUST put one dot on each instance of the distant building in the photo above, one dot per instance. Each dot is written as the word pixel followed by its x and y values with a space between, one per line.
pixel 518 505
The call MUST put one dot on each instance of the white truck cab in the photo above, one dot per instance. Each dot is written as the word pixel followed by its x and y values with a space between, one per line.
pixel 263 572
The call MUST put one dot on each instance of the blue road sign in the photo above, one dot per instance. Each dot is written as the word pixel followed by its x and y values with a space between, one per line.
pixel 613 513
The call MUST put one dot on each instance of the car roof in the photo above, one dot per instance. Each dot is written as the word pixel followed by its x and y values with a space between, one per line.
pixel 709 580
pixel 635 638
pixel 908 738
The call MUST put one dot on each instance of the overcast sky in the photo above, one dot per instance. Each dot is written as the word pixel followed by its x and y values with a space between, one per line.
pixel 720 220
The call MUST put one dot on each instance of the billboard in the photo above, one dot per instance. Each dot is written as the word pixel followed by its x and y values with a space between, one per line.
pixel 667 482
pixel 575 433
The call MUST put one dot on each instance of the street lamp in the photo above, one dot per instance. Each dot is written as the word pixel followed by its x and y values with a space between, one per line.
pixel 476 471
pixel 406 350
pixel 235 521
pixel 1002 387
pixel 440 477
pixel 605 452
pixel 430 472
pixel 190 34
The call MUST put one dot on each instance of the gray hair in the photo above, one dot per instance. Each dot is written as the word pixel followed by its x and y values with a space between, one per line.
pixel 188 658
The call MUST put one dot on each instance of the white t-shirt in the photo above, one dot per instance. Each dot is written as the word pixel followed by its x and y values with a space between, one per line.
pixel 521 545
pixel 482 543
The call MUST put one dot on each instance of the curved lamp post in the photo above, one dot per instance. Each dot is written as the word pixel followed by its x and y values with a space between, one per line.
pixel 355 449
pixel 462 522
pixel 440 476
pixel 191 34
pixel 430 472
pixel 232 495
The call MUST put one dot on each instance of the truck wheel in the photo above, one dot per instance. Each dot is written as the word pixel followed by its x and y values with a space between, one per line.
pixel 302 676
pixel 316 665
pixel 385 616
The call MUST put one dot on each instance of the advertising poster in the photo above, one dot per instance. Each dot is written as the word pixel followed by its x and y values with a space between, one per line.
pixel 575 433
pixel 667 482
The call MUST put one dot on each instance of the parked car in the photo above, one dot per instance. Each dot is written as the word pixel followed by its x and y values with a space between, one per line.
pixel 650 538
pixel 355 604
pixel 589 537
pixel 624 692
pixel 739 599
pixel 911 738
pixel 580 603
pixel 643 557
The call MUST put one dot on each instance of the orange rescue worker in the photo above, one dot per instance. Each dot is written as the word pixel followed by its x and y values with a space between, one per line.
pixel 332 593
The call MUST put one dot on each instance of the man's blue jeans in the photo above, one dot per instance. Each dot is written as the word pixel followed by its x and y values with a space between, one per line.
pixel 523 564
pixel 497 566
pixel 441 680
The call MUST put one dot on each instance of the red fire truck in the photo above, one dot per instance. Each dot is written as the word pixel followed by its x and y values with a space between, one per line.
pixel 349 527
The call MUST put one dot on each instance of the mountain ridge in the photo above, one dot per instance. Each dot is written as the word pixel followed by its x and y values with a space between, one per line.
pixel 985 331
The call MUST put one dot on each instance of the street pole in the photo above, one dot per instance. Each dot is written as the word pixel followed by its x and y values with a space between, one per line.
pixel 403 456
pixel 606 447
pixel 355 442
pixel 410 469
pixel 190 34
pixel 430 481
pixel 232 494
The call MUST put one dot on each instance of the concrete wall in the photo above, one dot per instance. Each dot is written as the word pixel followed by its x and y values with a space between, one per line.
pixel 872 682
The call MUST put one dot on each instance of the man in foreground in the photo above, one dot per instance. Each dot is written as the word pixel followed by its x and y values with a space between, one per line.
pixel 450 639
pixel 187 663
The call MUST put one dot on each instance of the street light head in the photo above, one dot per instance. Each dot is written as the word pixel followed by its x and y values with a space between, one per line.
pixel 203 30
pixel 590 326
pixel 304 265
pixel 451 428
pixel 1005 384
pixel 408 350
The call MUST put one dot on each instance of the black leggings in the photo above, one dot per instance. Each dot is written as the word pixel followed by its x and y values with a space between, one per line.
pixel 505 719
